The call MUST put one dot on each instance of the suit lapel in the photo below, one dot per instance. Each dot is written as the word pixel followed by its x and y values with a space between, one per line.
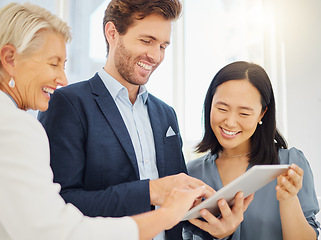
pixel 113 116
pixel 158 135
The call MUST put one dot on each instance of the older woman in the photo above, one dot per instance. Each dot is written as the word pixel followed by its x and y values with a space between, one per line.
pixel 32 59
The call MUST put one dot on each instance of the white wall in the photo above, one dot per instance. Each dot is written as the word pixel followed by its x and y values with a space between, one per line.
pixel 298 57
pixel 302 36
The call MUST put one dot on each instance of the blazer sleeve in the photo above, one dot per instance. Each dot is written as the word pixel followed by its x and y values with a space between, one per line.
pixel 30 205
pixel 70 159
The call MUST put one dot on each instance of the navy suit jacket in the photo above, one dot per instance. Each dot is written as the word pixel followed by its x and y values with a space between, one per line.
pixel 92 155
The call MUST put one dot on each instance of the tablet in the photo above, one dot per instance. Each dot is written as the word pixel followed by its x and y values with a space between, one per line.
pixel 249 182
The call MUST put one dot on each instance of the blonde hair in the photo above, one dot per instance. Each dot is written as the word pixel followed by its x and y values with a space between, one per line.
pixel 22 24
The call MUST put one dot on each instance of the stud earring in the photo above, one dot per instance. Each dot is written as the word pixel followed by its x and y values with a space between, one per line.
pixel 260 122
pixel 12 83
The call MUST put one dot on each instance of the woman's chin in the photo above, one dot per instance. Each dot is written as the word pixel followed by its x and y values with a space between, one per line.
pixel 43 107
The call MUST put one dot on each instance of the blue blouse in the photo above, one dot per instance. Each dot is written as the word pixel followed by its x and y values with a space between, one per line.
pixel 262 218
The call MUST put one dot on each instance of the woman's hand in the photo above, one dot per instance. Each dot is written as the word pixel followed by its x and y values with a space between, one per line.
pixel 229 220
pixel 294 223
pixel 179 201
pixel 289 183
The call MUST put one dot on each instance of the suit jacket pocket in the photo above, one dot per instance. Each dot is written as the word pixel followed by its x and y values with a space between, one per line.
pixel 171 139
pixel 174 162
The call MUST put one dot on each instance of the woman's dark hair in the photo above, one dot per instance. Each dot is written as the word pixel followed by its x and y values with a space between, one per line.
pixel 123 12
pixel 266 140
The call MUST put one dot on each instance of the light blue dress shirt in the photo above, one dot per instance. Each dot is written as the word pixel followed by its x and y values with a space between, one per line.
pixel 137 121
pixel 138 124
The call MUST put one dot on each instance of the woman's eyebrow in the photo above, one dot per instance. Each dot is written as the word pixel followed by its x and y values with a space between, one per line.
pixel 240 107
pixel 222 103
pixel 247 108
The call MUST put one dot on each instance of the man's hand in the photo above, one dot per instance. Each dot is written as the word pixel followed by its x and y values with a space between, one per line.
pixel 160 188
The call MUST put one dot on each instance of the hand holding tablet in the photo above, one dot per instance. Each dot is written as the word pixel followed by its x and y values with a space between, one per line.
pixel 249 182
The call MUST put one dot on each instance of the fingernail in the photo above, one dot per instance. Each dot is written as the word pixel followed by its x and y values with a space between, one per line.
pixel 222 203
pixel 203 213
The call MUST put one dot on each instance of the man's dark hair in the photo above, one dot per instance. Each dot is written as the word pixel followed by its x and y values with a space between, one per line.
pixel 123 12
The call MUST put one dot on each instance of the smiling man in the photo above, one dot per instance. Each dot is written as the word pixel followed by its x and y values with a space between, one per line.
pixel 116 149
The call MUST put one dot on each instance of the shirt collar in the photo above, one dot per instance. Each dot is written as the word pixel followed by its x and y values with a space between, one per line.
pixel 116 88
pixel 11 99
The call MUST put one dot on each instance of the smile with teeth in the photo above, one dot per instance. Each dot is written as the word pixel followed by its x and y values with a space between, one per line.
pixel 48 90
pixel 229 133
pixel 145 66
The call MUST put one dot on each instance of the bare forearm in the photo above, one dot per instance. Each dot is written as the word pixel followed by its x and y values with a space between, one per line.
pixel 176 204
pixel 294 223
pixel 152 223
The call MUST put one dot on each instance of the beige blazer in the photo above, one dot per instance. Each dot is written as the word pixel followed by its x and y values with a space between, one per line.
pixel 30 205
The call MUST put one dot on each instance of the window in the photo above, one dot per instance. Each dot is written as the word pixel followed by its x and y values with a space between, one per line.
pixel 216 33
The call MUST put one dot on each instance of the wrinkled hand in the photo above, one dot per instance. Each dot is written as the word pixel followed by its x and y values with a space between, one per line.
pixel 289 183
pixel 160 188
pixel 179 201
pixel 229 220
